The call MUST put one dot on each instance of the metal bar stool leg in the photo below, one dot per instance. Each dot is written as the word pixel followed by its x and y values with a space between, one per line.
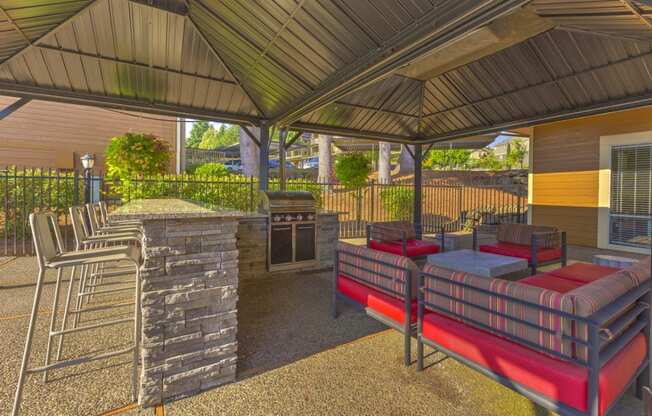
pixel 53 321
pixel 66 312
pixel 137 331
pixel 82 286
pixel 28 342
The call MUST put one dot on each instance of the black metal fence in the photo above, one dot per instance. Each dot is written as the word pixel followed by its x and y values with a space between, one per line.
pixel 23 191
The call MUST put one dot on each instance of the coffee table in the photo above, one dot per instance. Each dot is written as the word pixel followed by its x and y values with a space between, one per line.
pixel 478 263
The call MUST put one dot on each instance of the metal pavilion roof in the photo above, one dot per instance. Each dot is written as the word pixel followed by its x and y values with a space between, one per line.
pixel 395 70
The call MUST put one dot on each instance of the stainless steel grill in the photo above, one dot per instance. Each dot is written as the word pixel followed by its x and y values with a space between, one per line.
pixel 292 229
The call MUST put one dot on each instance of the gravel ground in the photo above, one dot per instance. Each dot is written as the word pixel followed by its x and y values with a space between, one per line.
pixel 293 360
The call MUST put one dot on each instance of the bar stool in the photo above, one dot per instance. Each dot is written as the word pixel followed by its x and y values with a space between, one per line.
pixel 50 254
pixel 104 217
pixel 97 228
pixel 85 291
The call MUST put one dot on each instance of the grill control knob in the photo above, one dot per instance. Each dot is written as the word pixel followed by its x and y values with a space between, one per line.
pixel 277 218
pixel 288 217
pixel 311 217
pixel 299 217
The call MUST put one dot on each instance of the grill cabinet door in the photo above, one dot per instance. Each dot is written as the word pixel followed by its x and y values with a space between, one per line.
pixel 281 244
pixel 305 244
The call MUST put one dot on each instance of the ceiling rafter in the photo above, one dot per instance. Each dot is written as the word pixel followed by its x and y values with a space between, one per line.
pixel 123 103
pixel 56 29
pixel 571 29
pixel 408 44
pixel 217 56
pixel 369 108
pixel 134 64
pixel 540 84
pixel 13 24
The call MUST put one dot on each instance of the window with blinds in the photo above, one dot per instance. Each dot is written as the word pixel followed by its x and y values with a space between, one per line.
pixel 631 195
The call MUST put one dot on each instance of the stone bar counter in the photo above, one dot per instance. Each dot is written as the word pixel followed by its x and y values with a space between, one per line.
pixel 189 296
pixel 195 258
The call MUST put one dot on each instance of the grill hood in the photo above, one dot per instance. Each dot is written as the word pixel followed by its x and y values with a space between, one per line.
pixel 287 201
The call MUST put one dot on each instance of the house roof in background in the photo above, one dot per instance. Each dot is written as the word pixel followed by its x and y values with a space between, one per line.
pixel 402 71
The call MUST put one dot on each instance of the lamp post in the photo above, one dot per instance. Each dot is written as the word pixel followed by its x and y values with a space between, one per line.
pixel 88 161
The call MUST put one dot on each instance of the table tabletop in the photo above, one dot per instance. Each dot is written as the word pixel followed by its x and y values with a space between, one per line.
pixel 478 263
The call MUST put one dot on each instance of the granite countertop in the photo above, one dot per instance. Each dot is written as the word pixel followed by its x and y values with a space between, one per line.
pixel 151 209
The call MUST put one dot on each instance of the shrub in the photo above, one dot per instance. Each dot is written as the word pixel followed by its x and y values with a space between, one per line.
pixel 398 202
pixel 211 169
pixel 136 154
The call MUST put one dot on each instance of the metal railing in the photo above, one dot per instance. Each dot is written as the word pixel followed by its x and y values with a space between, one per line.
pixel 23 191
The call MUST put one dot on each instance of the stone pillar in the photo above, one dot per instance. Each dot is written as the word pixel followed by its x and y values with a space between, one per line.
pixel 325 159
pixel 249 152
pixel 190 290
pixel 384 162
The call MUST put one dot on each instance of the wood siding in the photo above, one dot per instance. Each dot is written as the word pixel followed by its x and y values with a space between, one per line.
pixel 565 169
pixel 49 134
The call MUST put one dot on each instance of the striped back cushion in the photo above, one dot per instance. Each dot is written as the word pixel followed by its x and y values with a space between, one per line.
pixel 548 237
pixel 590 298
pixel 392 230
pixel 493 313
pixel 357 262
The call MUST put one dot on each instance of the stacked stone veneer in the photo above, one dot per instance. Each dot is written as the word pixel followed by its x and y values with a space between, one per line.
pixel 190 281
pixel 252 245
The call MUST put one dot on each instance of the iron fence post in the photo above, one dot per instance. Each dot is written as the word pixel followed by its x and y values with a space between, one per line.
pixel 372 201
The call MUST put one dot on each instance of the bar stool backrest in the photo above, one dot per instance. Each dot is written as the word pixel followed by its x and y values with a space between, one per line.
pixel 79 226
pixel 46 236
pixel 92 219
pixel 104 212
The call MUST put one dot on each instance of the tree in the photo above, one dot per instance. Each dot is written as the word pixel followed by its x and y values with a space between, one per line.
pixel 211 169
pixel 448 159
pixel 489 161
pixel 352 169
pixel 516 154
pixel 197 132
pixel 224 136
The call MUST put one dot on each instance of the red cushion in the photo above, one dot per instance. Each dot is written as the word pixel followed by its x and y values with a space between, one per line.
pixel 583 272
pixel 558 380
pixel 521 251
pixel 389 306
pixel 414 248
pixel 551 282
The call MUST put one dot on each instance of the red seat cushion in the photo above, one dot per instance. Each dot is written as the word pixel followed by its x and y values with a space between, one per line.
pixel 551 282
pixel 521 251
pixel 583 272
pixel 389 306
pixel 414 248
pixel 558 380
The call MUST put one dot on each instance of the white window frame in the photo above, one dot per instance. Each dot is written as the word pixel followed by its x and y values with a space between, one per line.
pixel 604 186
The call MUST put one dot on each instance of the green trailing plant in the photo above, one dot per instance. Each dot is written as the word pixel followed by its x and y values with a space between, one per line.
pixel 398 202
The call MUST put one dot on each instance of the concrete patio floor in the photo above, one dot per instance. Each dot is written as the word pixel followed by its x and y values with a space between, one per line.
pixel 293 360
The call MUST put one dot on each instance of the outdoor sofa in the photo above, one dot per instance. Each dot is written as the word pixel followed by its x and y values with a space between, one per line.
pixel 572 340
pixel 382 284
pixel 539 245
pixel 400 237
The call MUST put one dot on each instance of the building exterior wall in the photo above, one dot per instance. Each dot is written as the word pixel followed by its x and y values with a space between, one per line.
pixel 566 173
pixel 54 135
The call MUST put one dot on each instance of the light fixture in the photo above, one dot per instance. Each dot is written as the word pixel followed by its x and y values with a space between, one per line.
pixel 88 161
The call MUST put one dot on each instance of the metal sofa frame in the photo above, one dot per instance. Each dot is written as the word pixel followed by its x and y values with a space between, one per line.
pixel 373 229
pixel 608 320
pixel 534 244
pixel 408 329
